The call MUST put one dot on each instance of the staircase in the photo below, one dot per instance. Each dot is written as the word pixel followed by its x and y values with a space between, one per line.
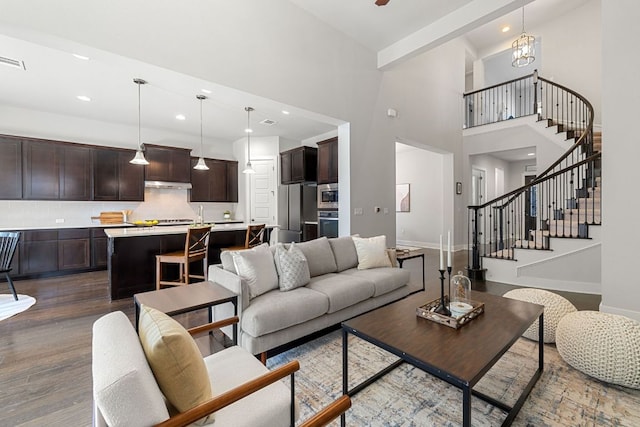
pixel 544 234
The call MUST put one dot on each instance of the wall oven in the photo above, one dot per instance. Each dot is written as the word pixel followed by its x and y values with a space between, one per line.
pixel 328 196
pixel 328 223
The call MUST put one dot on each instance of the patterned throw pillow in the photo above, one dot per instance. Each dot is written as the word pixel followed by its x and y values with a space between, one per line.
pixel 292 267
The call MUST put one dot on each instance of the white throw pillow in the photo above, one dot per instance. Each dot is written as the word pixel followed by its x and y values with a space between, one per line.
pixel 372 252
pixel 292 267
pixel 257 268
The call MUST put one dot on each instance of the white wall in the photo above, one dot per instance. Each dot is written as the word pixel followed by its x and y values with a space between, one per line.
pixel 489 164
pixel 621 109
pixel 427 93
pixel 571 46
pixel 423 170
pixel 515 174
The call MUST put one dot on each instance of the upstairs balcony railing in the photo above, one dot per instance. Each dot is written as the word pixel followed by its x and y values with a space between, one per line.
pixel 563 200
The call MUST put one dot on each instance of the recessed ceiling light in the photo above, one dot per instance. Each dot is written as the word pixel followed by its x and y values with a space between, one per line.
pixel 506 28
pixel 285 112
pixel 248 130
pixel 83 98
pixel 181 117
pixel 84 58
pixel 531 154
pixel 206 90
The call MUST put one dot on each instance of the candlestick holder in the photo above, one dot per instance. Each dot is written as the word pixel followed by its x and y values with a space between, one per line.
pixel 442 307
pixel 449 269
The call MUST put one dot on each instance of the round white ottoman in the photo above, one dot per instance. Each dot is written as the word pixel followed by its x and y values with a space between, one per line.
pixel 555 308
pixel 602 345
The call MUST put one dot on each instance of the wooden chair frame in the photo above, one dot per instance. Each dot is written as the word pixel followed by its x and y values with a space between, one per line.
pixel 196 248
pixel 322 418
pixel 254 237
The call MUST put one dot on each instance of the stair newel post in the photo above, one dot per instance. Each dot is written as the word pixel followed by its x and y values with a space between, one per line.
pixel 475 270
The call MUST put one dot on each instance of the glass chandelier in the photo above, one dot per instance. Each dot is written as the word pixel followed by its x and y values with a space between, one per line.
pixel 524 48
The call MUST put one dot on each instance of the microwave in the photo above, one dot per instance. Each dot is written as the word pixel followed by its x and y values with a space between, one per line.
pixel 328 196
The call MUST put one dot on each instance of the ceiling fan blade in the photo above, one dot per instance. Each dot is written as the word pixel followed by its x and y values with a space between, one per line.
pixel 381 2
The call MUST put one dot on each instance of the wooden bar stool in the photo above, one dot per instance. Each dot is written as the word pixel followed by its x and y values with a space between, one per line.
pixel 254 237
pixel 196 248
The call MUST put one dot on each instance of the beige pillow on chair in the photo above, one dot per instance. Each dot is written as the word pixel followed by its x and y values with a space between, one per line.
pixel 175 360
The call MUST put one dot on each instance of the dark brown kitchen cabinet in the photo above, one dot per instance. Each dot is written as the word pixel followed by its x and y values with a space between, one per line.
pixel 114 178
pixel 10 168
pixel 232 181
pixel 298 165
pixel 56 171
pixel 39 251
pixel 218 184
pixel 41 170
pixel 75 172
pixel 98 247
pixel 328 161
pixel 167 164
pixel 74 249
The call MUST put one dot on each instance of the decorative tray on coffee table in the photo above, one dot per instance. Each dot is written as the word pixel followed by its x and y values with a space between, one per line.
pixel 427 311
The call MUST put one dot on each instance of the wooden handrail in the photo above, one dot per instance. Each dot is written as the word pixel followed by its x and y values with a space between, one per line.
pixel 213 325
pixel 231 396
pixel 329 413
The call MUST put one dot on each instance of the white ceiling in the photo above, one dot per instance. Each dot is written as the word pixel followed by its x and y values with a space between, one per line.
pixel 53 77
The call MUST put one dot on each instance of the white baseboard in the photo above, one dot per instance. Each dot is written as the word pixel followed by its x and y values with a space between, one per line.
pixel 635 315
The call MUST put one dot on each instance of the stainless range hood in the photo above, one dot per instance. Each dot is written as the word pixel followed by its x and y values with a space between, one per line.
pixel 168 185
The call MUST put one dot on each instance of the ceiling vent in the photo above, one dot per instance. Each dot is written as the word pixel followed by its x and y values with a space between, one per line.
pixel 12 62
pixel 268 122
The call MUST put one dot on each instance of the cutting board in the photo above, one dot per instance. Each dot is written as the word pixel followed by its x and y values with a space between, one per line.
pixel 110 217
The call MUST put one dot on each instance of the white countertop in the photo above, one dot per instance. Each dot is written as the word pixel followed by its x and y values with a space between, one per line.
pixel 171 229
pixel 62 226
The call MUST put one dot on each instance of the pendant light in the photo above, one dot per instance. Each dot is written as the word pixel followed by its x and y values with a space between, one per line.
pixel 249 168
pixel 524 48
pixel 201 165
pixel 139 157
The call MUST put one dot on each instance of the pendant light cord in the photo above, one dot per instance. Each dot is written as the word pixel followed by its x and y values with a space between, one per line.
pixel 139 143
pixel 201 145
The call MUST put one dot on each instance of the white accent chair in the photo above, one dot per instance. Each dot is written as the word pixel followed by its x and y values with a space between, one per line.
pixel 246 393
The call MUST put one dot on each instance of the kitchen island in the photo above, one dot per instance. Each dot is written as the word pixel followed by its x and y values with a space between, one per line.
pixel 132 253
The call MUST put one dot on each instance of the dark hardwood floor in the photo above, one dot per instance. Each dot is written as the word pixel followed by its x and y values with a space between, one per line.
pixel 45 352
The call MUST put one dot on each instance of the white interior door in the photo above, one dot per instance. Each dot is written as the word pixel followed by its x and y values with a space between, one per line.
pixel 263 197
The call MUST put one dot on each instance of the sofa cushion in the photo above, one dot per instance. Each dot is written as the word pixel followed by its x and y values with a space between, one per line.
pixel 344 252
pixel 293 270
pixel 257 267
pixel 277 310
pixel 319 256
pixel 342 290
pixel 372 252
pixel 124 389
pixel 269 406
pixel 175 360
pixel 385 279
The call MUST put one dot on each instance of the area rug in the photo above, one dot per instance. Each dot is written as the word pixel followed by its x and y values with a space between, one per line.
pixel 10 307
pixel 407 396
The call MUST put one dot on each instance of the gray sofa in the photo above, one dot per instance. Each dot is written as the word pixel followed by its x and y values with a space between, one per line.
pixel 337 291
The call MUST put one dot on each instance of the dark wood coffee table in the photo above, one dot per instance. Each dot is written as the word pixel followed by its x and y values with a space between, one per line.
pixel 186 298
pixel 460 357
